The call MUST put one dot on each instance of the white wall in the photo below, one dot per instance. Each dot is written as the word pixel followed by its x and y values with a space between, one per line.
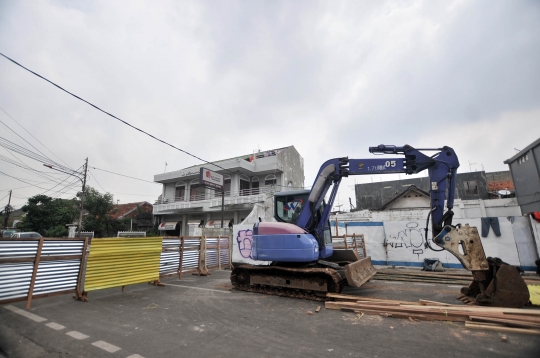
pixel 405 242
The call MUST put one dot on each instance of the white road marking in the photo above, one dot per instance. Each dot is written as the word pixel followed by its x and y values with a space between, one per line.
pixel 198 288
pixel 77 335
pixel 26 314
pixel 135 356
pixel 423 284
pixel 106 346
pixel 456 286
pixel 55 326
pixel 395 283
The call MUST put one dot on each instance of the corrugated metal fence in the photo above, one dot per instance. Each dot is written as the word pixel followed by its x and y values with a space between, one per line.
pixel 194 254
pixel 33 268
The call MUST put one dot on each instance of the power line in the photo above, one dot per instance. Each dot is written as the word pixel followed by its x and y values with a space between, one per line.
pixel 97 181
pixel 122 175
pixel 31 135
pixel 17 134
pixel 32 155
pixel 113 116
pixel 22 180
pixel 4 197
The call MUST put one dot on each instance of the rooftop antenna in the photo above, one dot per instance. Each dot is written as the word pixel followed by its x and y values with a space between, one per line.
pixel 165 167
pixel 470 166
pixel 517 150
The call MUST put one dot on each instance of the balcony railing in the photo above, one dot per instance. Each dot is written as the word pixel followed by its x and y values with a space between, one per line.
pixel 215 195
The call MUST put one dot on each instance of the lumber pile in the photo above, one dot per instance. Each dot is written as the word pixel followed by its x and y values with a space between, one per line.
pixel 517 320
pixel 450 277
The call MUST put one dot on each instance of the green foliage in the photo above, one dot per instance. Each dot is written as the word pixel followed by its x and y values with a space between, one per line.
pixel 45 215
pixel 56 231
pixel 99 208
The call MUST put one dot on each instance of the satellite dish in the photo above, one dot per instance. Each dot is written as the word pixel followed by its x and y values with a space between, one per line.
pixel 504 192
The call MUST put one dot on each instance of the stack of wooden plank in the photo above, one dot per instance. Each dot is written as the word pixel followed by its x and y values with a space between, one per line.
pixel 518 320
pixel 450 277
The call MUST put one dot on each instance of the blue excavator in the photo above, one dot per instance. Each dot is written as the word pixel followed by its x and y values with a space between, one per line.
pixel 297 258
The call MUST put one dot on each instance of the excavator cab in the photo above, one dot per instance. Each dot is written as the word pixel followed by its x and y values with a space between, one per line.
pixel 288 206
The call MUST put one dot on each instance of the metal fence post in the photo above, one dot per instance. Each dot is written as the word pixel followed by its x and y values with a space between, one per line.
pixel 181 260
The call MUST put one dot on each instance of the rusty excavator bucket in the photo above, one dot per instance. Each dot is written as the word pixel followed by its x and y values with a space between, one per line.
pixel 357 270
pixel 496 283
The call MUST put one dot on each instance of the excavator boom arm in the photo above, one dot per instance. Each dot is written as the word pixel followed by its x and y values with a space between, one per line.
pixel 442 168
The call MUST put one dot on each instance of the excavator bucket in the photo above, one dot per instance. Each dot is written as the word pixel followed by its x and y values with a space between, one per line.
pixel 357 270
pixel 505 288
pixel 496 283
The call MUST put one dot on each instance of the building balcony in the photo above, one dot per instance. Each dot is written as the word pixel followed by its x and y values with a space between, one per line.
pixel 210 200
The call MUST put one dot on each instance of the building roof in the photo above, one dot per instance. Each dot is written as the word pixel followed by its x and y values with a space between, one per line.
pixel 534 144
pixel 259 154
pixel 404 193
pixel 244 164
pixel 121 211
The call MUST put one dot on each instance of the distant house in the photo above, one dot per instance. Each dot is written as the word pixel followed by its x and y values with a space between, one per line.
pixel 139 214
pixel 469 186
pixel 411 198
pixel 247 180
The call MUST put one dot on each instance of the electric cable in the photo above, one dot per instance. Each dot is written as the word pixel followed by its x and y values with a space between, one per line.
pixel 22 180
pixel 32 137
pixel 122 175
pixel 113 116
pixel 32 155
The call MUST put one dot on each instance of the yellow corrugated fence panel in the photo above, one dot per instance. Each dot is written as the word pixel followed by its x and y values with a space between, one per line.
pixel 534 291
pixel 117 262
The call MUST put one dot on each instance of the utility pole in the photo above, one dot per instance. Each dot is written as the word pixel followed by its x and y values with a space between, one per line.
pixel 7 211
pixel 82 197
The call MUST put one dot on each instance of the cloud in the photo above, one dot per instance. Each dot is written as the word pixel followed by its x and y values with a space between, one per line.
pixel 227 78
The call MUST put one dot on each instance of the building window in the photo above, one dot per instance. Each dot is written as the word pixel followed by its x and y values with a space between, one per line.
pixel 471 187
pixel 196 192
pixel 270 179
pixel 180 191
pixel 244 185
pixel 226 186
pixel 254 186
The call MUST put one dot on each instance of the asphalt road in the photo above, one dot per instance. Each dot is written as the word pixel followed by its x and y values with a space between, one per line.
pixel 201 317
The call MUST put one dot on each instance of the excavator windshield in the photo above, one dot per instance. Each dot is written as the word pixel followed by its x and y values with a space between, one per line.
pixel 289 205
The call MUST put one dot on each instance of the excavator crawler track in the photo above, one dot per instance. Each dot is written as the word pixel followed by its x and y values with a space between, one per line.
pixel 272 280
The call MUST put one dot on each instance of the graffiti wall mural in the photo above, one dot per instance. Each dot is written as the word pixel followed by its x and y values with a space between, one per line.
pixel 410 237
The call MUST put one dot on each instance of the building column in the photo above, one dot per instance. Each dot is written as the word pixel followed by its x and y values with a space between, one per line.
pixel 236 218
pixel 482 208
pixel 184 230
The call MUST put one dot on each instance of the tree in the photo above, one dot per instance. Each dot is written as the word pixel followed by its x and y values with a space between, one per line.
pixel 99 208
pixel 48 216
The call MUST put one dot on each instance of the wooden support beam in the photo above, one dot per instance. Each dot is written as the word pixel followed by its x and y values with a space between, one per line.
pixel 34 274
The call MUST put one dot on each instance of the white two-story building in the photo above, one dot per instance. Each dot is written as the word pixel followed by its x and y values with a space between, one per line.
pixel 248 179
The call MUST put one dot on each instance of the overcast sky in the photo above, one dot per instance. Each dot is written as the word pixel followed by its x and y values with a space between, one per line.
pixel 225 78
